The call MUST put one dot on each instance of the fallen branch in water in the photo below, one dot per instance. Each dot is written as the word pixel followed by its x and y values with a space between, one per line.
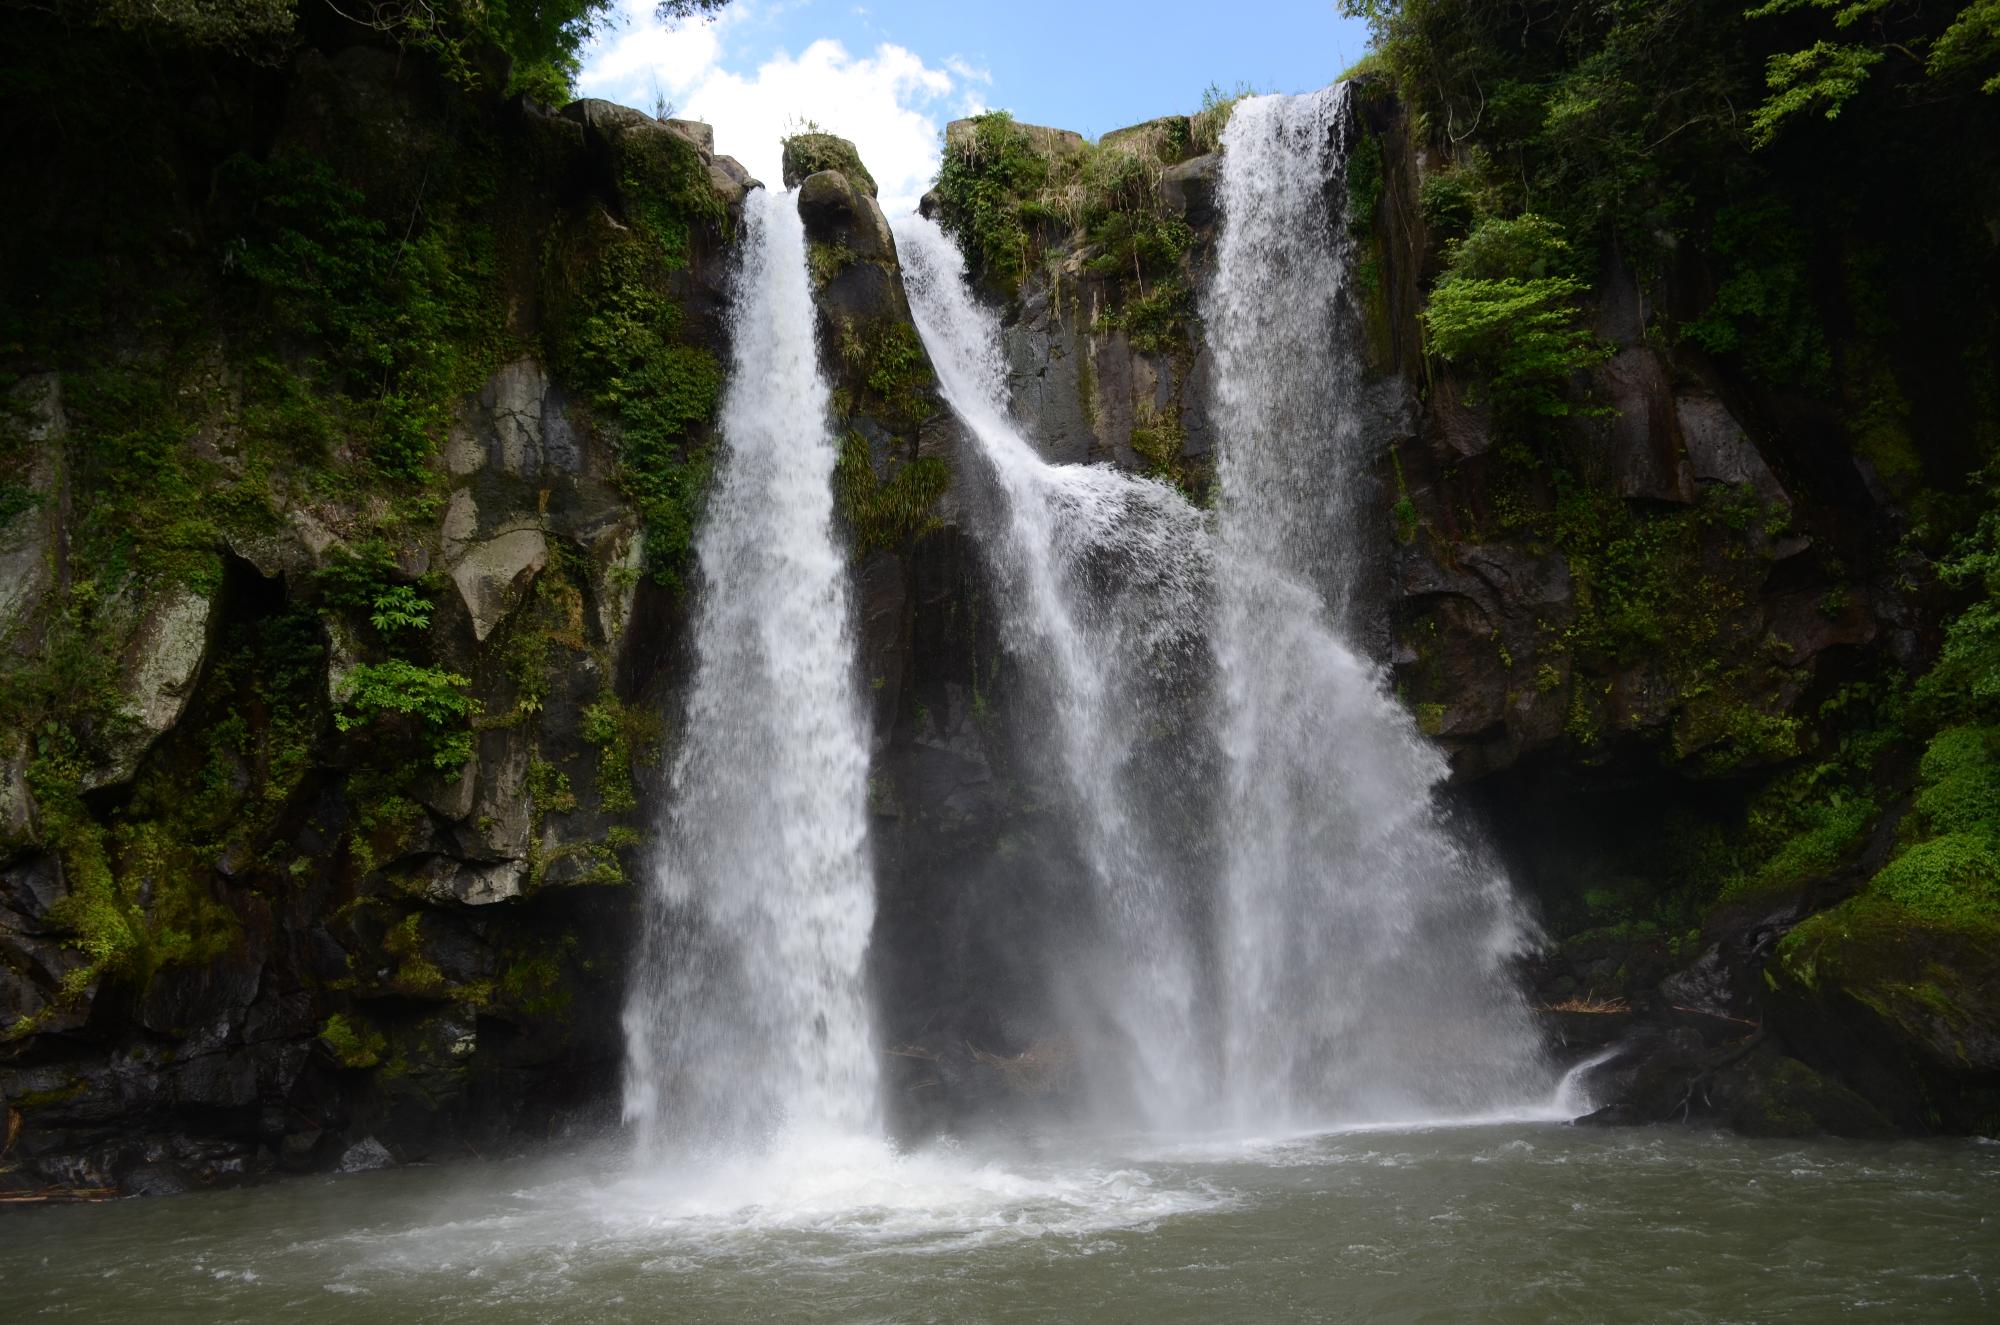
pixel 59 1196
pixel 1588 1003
pixel 913 1051
pixel 1719 1016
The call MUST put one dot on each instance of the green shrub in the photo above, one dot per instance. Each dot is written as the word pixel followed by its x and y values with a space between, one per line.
pixel 1499 312
pixel 436 699
pixel 981 186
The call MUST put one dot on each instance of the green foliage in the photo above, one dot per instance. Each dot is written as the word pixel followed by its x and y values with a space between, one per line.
pixel 1948 880
pixel 664 187
pixel 1518 330
pixel 981 186
pixel 399 607
pixel 1156 322
pixel 260 29
pixel 1206 125
pixel 542 40
pixel 621 735
pixel 1963 685
pixel 617 337
pixel 365 579
pixel 1365 185
pixel 623 349
pixel 886 515
pixel 897 373
pixel 404 320
pixel 435 698
pixel 414 972
pixel 1959 783
pixel 1157 438
pixel 352 1042
pixel 1763 306
pixel 1823 77
pixel 1827 75
pixel 1971 45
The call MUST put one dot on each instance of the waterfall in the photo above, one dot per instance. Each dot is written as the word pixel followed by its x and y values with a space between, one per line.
pixel 1101 579
pixel 1364 941
pixel 748 1019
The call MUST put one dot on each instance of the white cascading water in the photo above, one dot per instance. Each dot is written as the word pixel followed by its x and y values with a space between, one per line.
pixel 748 1023
pixel 1364 943
pixel 1102 581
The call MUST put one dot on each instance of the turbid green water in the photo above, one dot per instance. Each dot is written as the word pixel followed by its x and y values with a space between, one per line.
pixel 1520 1222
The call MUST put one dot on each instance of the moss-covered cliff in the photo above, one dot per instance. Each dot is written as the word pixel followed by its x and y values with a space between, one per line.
pixel 358 421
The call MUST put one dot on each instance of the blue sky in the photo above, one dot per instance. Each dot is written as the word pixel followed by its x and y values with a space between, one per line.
pixel 890 73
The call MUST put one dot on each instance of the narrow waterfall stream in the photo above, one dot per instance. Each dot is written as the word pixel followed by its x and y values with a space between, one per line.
pixel 1103 587
pixel 748 1018
pixel 1365 941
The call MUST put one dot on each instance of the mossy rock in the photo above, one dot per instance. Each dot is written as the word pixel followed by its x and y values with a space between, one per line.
pixel 1775 1095
pixel 1933 988
pixel 807 154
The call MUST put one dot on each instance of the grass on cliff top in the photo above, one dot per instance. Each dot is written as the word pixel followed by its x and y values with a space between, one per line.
pixel 1006 192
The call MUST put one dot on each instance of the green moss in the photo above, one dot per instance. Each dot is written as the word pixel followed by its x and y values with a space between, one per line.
pixel 1156 322
pixel 809 153
pixel 414 973
pixel 887 360
pixel 1950 880
pixel 1365 185
pixel 825 261
pixel 1157 439
pixel 29 1101
pixel 534 983
pixel 1959 783
pixel 621 735
pixel 663 187
pixel 1930 979
pixel 352 1041
pixel 1086 388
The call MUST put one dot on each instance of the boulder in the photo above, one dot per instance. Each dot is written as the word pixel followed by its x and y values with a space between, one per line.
pixel 493 573
pixel 700 134
pixel 960 135
pixel 28 542
pixel 159 665
pixel 838 212
pixel 1189 188
pixel 1641 440
pixel 806 154
pixel 366 1155
pixel 1164 140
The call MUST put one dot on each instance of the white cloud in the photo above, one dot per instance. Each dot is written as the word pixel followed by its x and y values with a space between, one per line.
pixel 638 60
pixel 888 103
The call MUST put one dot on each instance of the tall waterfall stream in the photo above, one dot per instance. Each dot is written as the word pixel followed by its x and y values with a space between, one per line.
pixel 1365 943
pixel 1286 1023
pixel 748 1019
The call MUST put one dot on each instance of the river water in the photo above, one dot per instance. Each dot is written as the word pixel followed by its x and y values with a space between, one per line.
pixel 1505 1222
